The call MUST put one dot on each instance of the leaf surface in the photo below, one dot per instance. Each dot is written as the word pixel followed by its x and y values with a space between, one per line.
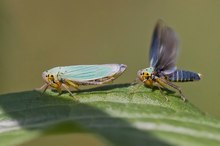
pixel 114 114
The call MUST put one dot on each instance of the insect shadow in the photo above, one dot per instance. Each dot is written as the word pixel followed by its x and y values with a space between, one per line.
pixel 168 91
pixel 106 87
pixel 47 114
pixel 164 91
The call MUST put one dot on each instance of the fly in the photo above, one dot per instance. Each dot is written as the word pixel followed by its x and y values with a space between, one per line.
pixel 163 71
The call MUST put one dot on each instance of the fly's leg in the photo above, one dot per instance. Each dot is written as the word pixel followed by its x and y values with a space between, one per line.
pixel 135 89
pixel 150 84
pixel 180 91
pixel 164 82
pixel 182 95
pixel 161 91
pixel 135 81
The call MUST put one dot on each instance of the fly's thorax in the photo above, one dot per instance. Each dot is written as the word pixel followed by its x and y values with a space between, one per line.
pixel 146 76
pixel 51 79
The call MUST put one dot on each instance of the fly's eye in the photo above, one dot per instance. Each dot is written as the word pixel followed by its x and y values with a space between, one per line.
pixel 146 74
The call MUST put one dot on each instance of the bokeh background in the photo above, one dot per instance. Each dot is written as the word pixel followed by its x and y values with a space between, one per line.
pixel 41 34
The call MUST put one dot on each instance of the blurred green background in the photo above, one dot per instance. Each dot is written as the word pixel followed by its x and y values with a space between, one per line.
pixel 38 35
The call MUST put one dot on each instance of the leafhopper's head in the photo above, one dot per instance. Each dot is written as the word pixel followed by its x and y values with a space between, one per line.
pixel 48 77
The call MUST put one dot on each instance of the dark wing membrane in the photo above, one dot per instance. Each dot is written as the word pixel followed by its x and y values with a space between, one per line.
pixel 164 48
pixel 155 44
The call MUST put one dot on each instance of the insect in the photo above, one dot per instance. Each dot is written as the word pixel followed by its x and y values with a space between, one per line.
pixel 76 75
pixel 163 71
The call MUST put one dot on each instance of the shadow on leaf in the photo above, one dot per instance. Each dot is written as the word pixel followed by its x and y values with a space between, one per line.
pixel 58 115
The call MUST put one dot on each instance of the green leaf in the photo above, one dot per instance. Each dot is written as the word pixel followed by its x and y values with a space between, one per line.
pixel 112 115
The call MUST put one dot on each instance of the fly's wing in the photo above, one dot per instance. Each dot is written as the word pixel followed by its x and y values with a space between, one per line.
pixel 85 73
pixel 164 48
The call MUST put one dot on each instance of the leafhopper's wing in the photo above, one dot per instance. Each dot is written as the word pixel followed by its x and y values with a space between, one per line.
pixel 91 73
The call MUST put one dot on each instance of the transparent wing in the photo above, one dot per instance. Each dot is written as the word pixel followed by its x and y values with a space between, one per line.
pixel 84 73
pixel 164 48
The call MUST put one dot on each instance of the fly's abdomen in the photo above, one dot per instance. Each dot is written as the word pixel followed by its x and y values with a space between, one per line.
pixel 183 76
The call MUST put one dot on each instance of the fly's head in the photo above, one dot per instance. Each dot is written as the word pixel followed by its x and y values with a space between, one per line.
pixel 51 79
pixel 145 75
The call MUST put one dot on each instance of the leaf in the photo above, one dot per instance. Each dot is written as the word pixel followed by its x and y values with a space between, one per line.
pixel 114 114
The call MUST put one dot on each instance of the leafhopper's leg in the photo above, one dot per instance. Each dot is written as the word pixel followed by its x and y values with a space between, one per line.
pixel 72 84
pixel 44 88
pixel 67 88
pixel 59 90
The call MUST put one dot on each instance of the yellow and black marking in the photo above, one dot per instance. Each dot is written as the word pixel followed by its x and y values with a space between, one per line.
pixel 53 81
pixel 147 79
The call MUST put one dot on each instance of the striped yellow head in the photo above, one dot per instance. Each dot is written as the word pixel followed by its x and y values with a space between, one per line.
pixel 145 75
pixel 51 79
